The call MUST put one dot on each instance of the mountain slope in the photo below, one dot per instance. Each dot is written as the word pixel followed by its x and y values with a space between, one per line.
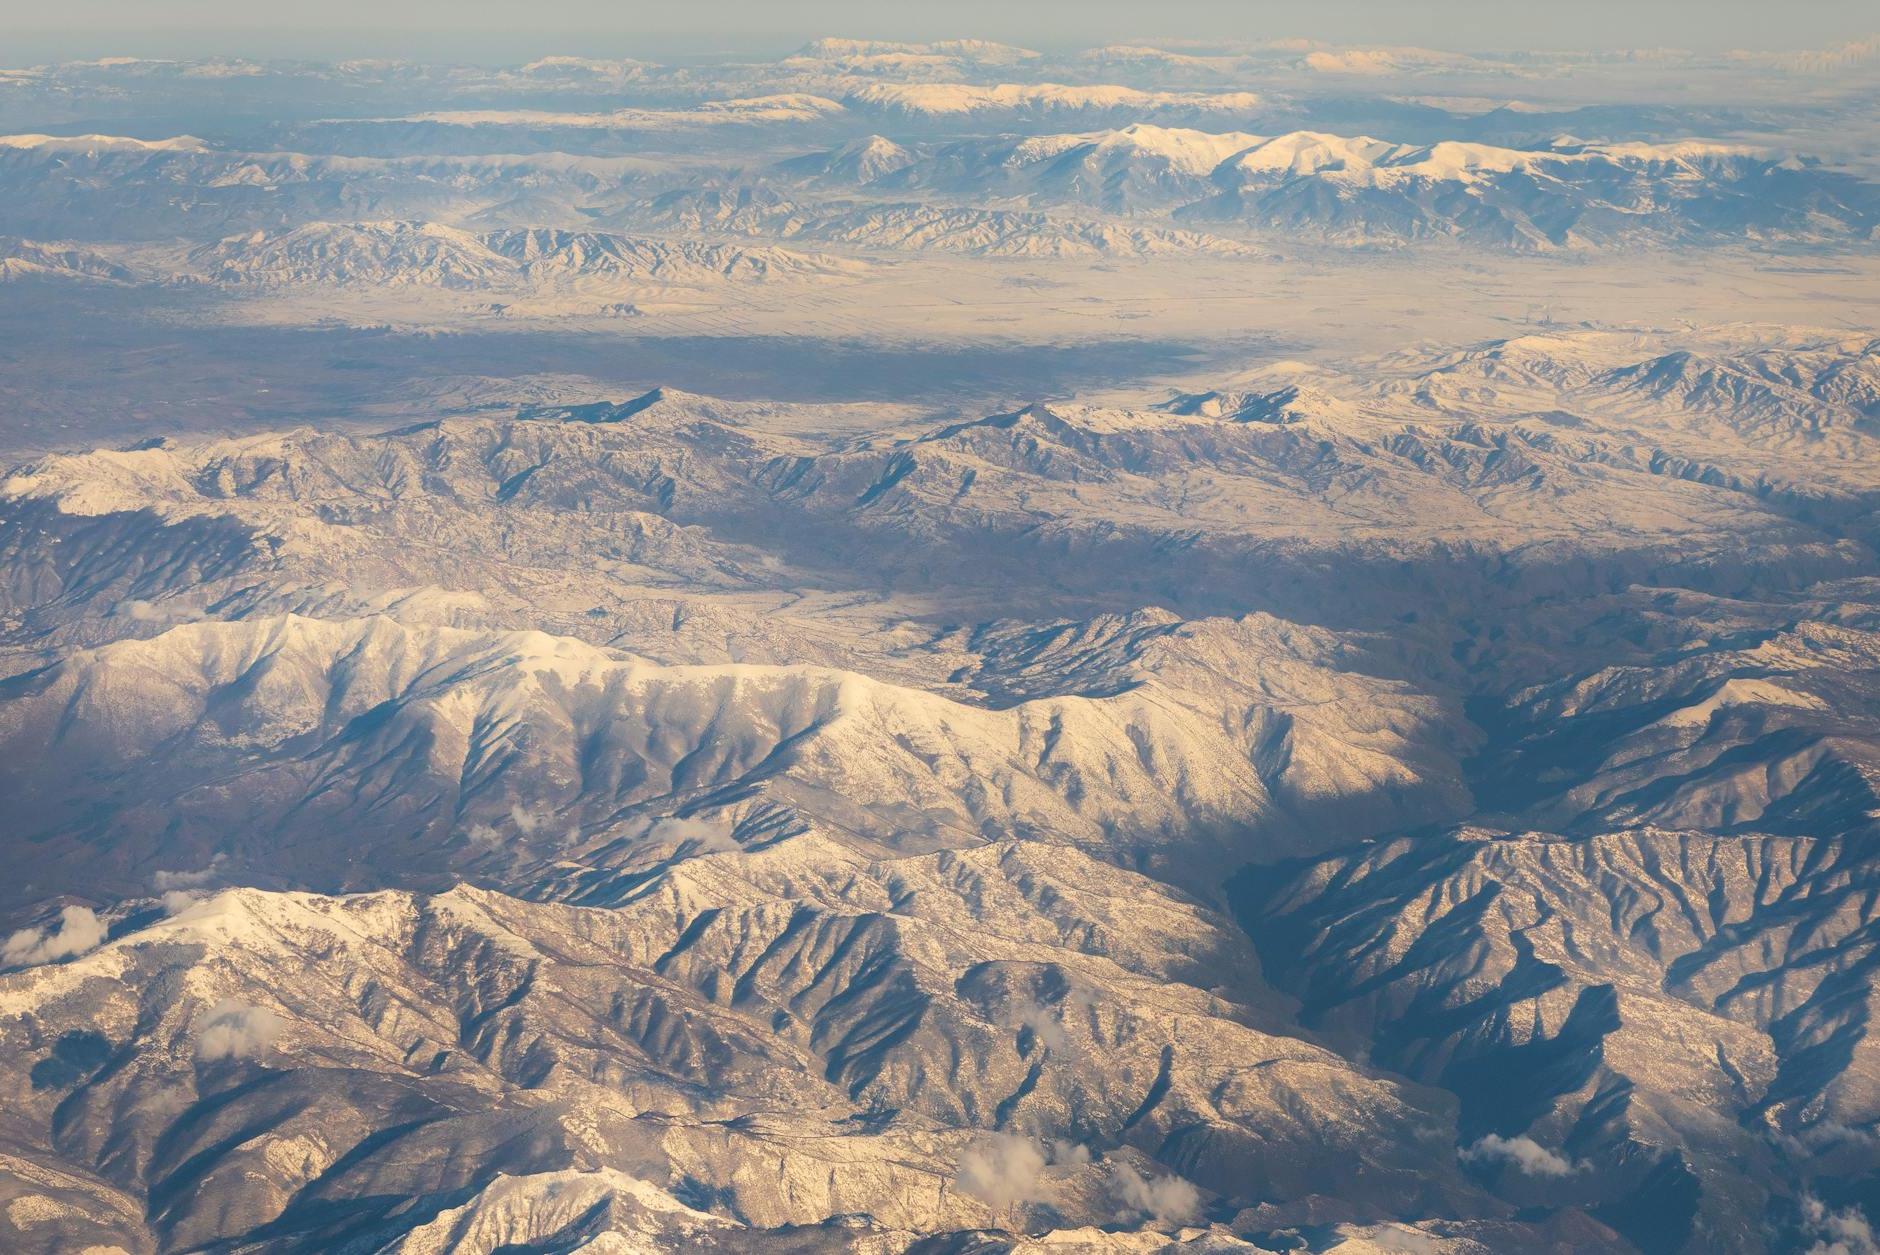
pixel 774 1036
pixel 1566 195
pixel 450 737
pixel 1660 1016
pixel 681 821
pixel 426 254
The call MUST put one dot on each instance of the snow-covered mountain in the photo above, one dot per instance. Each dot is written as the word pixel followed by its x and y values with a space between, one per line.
pixel 605 772
pixel 110 189
pixel 378 253
pixel 1642 1019
pixel 549 256
pixel 1017 102
pixel 1312 186
pixel 448 736
pixel 515 1062
pixel 1135 167
pixel 1565 195
pixel 1359 190
pixel 428 254
pixel 1235 646
pixel 860 161
pixel 35 259
pixel 913 226
pixel 941 59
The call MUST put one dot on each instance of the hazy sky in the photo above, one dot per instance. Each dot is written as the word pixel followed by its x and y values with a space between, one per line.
pixel 509 29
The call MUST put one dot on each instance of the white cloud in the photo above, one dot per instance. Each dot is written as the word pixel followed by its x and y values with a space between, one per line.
pixel 176 901
pixel 235 1030
pixel 523 823
pixel 1170 1198
pixel 1042 1022
pixel 1523 1152
pixel 1834 1132
pixel 79 930
pixel 166 880
pixel 710 836
pixel 1842 1232
pixel 1067 1154
pixel 1047 1022
pixel 1001 1169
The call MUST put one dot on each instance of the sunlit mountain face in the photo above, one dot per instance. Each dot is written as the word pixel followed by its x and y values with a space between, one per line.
pixel 942 648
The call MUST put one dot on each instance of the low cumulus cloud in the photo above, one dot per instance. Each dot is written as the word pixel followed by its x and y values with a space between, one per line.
pixel 1001 1169
pixel 79 930
pixel 1524 1153
pixel 1044 1024
pixel 167 880
pixel 707 836
pixel 1829 1135
pixel 180 890
pixel 523 822
pixel 482 834
pixel 1170 1198
pixel 176 901
pixel 1067 1154
pixel 235 1030
pixel 1006 1168
pixel 1047 1022
pixel 1837 1231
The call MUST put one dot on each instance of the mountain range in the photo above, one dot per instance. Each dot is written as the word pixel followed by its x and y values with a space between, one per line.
pixel 941 648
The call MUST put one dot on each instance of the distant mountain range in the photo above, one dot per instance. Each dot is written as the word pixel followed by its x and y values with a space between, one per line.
pixel 1357 191
pixel 390 254
pixel 1309 186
